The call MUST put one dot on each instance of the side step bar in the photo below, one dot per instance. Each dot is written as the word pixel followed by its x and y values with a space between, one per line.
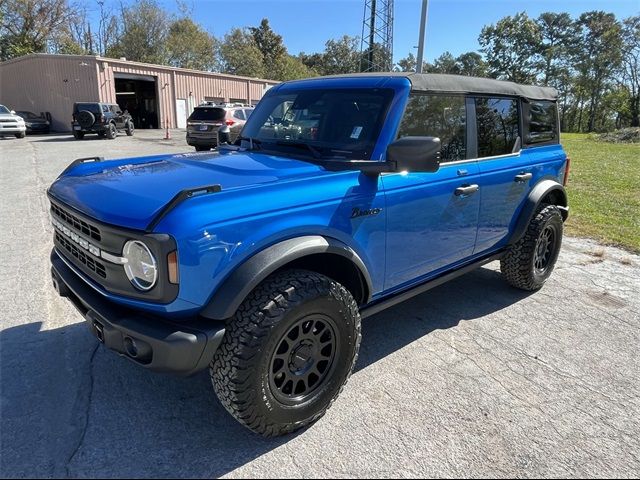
pixel 373 308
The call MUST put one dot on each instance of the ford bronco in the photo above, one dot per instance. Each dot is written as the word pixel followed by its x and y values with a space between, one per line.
pixel 343 196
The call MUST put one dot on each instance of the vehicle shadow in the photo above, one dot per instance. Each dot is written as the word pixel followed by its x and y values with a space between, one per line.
pixel 63 137
pixel 71 409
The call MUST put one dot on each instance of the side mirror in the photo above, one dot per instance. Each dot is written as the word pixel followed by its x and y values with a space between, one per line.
pixel 415 154
pixel 224 135
pixel 13 112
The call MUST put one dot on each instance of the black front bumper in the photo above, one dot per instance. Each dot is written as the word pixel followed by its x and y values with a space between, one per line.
pixel 182 348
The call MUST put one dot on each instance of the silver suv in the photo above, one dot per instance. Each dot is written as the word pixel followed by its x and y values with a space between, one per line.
pixel 204 122
pixel 11 124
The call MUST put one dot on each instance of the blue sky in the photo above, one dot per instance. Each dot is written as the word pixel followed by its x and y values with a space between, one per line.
pixel 453 25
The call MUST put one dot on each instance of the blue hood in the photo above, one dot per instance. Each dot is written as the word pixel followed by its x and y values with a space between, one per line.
pixel 130 192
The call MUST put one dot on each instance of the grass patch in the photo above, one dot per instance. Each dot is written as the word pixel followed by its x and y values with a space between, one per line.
pixel 604 190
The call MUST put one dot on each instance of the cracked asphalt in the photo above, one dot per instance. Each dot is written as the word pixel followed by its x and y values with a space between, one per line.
pixel 472 379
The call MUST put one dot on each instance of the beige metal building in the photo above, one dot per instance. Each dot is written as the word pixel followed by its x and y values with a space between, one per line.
pixel 156 96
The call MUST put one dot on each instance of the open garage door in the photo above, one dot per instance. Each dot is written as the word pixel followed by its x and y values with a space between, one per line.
pixel 139 95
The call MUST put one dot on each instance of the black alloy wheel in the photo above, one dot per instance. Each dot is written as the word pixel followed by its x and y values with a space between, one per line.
pixel 303 359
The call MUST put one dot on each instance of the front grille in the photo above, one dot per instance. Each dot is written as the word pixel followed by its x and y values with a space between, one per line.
pixel 75 222
pixel 82 257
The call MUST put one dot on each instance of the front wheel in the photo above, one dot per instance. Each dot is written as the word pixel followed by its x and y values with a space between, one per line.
pixel 287 352
pixel 529 262
pixel 129 128
pixel 21 134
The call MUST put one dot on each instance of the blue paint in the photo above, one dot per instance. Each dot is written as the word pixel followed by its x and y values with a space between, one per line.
pixel 422 228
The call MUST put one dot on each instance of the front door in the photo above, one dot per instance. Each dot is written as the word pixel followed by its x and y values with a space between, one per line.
pixel 432 218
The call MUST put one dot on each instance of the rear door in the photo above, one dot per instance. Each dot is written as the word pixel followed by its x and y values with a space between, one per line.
pixel 431 223
pixel 505 173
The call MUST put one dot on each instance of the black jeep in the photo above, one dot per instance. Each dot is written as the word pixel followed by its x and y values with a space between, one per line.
pixel 105 119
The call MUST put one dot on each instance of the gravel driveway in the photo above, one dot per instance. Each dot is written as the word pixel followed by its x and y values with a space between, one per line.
pixel 473 378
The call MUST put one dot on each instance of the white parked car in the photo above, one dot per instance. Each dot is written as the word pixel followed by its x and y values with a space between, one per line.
pixel 11 124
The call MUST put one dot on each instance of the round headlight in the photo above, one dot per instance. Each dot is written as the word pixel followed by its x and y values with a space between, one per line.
pixel 141 268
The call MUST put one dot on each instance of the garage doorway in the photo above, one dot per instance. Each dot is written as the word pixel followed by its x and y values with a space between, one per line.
pixel 138 94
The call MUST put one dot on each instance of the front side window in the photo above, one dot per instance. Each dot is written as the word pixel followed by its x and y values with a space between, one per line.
pixel 438 116
pixel 328 123
pixel 498 126
pixel 541 122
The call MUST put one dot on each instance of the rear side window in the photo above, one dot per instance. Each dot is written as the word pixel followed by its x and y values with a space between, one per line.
pixel 498 126
pixel 438 116
pixel 541 122
pixel 239 114
pixel 91 107
pixel 208 113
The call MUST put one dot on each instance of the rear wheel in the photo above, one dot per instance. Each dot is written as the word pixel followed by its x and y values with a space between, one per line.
pixel 530 261
pixel 78 135
pixel 111 132
pixel 287 352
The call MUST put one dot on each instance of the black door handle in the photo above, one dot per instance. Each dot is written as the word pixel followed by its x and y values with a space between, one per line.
pixel 523 177
pixel 465 190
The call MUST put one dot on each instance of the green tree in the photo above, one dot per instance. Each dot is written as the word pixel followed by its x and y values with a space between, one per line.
pixel 472 64
pixel 631 66
pixel 341 56
pixel 26 25
pixel 190 46
pixel 269 43
pixel 445 63
pixel 291 68
pixel 407 64
pixel 558 38
pixel 512 47
pixel 240 55
pixel 145 28
pixel 596 61
pixel 313 61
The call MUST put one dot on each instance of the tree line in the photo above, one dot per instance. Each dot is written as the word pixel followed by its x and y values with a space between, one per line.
pixel 592 60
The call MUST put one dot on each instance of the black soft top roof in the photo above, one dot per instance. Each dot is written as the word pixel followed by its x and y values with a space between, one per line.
pixel 443 83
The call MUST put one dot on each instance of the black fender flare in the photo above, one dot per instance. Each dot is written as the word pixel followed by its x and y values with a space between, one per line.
pixel 541 190
pixel 235 288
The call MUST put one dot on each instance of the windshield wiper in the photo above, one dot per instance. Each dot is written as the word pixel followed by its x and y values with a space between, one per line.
pixel 314 151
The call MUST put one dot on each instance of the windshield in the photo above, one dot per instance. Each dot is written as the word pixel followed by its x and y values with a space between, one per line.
pixel 335 123
pixel 211 113
pixel 29 115
pixel 4 109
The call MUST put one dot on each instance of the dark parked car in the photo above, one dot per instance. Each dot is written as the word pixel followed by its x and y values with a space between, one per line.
pixel 204 122
pixel 34 123
pixel 105 119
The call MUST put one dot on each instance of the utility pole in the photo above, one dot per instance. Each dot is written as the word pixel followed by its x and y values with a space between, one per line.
pixel 423 26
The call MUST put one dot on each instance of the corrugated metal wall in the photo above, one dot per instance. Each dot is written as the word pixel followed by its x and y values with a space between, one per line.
pixel 53 83
pixel 173 84
pixel 44 83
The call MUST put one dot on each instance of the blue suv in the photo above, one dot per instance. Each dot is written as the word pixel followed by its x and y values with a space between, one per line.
pixel 342 196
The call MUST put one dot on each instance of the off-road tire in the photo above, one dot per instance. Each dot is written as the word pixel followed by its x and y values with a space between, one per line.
pixel 78 135
pixel 241 370
pixel 517 265
pixel 101 134
pixel 128 128
pixel 111 132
